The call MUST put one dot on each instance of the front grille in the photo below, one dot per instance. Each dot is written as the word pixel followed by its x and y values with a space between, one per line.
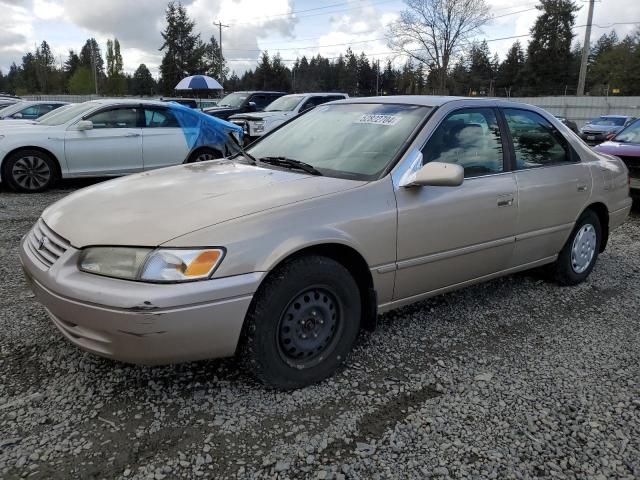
pixel 633 164
pixel 45 244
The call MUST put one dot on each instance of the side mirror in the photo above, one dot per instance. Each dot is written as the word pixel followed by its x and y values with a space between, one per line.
pixel 436 174
pixel 84 125
pixel 16 115
pixel 252 106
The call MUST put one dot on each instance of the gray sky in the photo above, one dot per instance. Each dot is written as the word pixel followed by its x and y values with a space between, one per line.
pixel 292 27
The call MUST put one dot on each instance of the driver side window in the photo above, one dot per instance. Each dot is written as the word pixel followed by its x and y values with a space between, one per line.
pixel 123 117
pixel 470 138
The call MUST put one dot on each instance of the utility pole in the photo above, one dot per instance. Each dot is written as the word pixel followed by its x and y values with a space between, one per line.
pixel 377 78
pixel 586 48
pixel 220 25
pixel 95 65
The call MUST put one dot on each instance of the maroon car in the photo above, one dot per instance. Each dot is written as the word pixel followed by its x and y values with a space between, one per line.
pixel 626 146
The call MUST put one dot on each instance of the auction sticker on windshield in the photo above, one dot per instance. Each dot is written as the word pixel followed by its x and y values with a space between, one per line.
pixel 377 119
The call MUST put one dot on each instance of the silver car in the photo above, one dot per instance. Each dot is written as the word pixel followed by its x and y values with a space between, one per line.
pixel 285 251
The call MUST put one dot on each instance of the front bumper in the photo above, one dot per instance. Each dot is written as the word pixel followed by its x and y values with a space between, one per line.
pixel 593 138
pixel 138 322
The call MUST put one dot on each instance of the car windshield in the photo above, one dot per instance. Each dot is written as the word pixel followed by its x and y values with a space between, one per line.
pixel 62 116
pixel 54 112
pixel 631 134
pixel 233 100
pixel 16 107
pixel 5 105
pixel 608 121
pixel 284 104
pixel 355 141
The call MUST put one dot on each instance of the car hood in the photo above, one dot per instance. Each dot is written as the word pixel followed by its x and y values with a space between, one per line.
pixel 619 149
pixel 14 127
pixel 221 110
pixel 260 115
pixel 601 128
pixel 151 208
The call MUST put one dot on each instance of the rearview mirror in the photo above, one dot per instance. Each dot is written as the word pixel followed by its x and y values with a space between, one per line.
pixel 83 125
pixel 436 174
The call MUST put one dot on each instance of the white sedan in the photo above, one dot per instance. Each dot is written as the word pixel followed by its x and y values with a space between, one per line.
pixel 108 138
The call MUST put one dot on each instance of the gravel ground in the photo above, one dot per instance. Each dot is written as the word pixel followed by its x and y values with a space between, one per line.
pixel 516 378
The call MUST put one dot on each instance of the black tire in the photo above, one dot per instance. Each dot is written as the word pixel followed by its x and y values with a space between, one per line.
pixel 209 152
pixel 565 270
pixel 30 171
pixel 291 338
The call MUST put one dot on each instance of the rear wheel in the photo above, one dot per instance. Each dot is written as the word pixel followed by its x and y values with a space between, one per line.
pixel 302 323
pixel 579 255
pixel 204 155
pixel 29 171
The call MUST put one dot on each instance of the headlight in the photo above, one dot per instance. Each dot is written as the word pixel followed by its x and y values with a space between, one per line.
pixel 165 265
pixel 257 127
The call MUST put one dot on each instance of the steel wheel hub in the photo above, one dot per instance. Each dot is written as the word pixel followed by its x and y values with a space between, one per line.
pixel 584 248
pixel 31 172
pixel 308 325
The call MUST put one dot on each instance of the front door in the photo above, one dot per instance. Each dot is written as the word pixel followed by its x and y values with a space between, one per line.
pixel 112 147
pixel 553 185
pixel 449 235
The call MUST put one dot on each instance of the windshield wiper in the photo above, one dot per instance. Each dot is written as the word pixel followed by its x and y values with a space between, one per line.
pixel 290 163
pixel 242 151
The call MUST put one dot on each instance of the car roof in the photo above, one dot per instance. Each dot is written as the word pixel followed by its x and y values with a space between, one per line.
pixel 257 91
pixel 614 116
pixel 128 101
pixel 39 102
pixel 433 101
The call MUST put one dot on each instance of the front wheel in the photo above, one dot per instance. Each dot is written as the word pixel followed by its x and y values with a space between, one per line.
pixel 302 323
pixel 29 171
pixel 579 255
pixel 204 155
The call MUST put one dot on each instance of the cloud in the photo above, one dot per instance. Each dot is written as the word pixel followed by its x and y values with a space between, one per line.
pixel 48 10
pixel 15 32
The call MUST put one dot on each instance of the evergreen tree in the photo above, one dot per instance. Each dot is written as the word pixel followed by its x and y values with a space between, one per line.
pixel 142 82
pixel 215 62
pixel 509 77
pixel 183 49
pixel 549 53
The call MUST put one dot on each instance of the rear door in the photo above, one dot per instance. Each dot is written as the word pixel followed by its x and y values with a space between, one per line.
pixel 553 185
pixel 112 147
pixel 163 140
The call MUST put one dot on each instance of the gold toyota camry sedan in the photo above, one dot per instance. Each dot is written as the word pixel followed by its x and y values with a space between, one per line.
pixel 282 253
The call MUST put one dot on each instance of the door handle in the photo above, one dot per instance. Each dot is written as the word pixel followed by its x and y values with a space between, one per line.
pixel 131 134
pixel 582 187
pixel 505 200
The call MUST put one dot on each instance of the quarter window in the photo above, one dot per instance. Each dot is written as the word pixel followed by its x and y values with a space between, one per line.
pixel 115 118
pixel 469 138
pixel 160 119
pixel 536 142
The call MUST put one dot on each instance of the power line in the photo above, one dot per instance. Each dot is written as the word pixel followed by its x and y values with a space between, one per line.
pixel 294 13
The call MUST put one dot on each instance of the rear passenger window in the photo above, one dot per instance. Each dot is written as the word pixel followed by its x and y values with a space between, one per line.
pixel 537 143
pixel 160 119
pixel 469 138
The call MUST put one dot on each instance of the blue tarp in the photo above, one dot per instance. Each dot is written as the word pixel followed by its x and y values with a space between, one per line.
pixel 202 130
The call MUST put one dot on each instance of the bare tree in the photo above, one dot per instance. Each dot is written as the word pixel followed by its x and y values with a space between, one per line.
pixel 434 32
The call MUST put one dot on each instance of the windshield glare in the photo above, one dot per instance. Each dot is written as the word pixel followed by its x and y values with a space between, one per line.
pixel 233 100
pixel 284 104
pixel 630 134
pixel 608 122
pixel 348 140
pixel 64 115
